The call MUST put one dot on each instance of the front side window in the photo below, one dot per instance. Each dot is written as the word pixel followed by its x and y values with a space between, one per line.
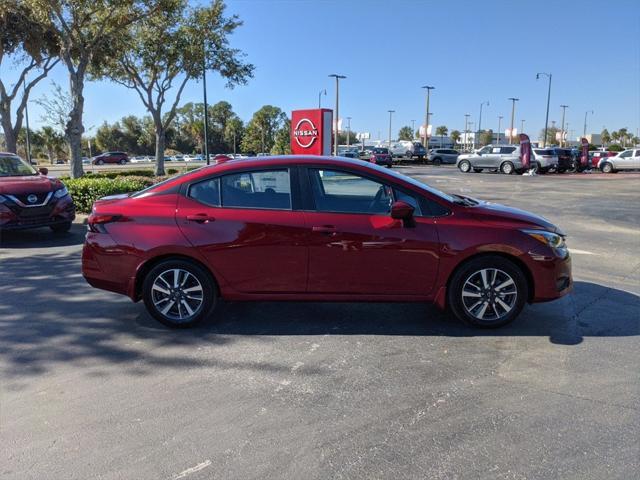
pixel 346 192
pixel 410 199
pixel 626 154
pixel 269 189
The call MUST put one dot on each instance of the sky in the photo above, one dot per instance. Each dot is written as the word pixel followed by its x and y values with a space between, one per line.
pixel 470 51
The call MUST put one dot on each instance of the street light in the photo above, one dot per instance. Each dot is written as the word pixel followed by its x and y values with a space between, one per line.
pixel 466 126
pixel 522 126
pixel 206 112
pixel 500 117
pixel 546 118
pixel 320 93
pixel 426 117
pixel 584 131
pixel 413 128
pixel 564 109
pixel 391 112
pixel 480 121
pixel 348 130
pixel 335 126
pixel 513 113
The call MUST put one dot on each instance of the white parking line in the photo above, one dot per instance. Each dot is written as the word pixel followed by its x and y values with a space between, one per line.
pixel 582 252
pixel 191 470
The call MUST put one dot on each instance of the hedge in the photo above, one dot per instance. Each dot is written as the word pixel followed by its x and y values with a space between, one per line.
pixel 86 190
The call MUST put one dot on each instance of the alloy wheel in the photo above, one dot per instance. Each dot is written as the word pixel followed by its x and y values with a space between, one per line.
pixel 489 294
pixel 177 294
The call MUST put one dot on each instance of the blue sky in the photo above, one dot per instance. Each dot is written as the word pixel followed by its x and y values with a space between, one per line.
pixel 471 51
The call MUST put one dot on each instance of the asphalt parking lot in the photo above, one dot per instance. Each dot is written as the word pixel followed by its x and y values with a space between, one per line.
pixel 92 387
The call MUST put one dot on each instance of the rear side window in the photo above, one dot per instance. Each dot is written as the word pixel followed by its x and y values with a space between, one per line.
pixel 269 189
pixel 507 149
pixel 207 192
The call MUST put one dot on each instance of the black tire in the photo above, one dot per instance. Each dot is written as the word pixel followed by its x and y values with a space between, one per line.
pixel 507 168
pixel 122 161
pixel 469 271
pixel 61 227
pixel 607 167
pixel 437 161
pixel 409 155
pixel 464 166
pixel 204 281
pixel 477 170
pixel 100 162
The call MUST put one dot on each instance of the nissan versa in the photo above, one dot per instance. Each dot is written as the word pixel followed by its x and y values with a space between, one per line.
pixel 319 229
pixel 30 199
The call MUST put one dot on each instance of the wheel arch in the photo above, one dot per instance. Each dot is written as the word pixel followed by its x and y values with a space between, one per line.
pixel 145 267
pixel 512 258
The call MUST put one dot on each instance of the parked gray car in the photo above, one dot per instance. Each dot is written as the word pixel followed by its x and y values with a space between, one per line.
pixel 442 155
pixel 503 158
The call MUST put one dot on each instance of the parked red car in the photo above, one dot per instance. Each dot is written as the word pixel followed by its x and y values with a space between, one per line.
pixel 110 157
pixel 319 229
pixel 381 156
pixel 598 155
pixel 30 199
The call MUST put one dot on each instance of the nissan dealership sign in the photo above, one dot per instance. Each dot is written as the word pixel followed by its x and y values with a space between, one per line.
pixel 311 131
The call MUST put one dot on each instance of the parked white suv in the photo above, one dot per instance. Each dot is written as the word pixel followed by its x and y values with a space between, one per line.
pixel 625 160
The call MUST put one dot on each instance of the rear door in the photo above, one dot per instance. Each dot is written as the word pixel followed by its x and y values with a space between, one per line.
pixel 246 227
pixel 356 247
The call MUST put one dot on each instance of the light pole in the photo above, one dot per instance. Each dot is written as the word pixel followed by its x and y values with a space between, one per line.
pixel 426 117
pixel 391 112
pixel 584 131
pixel 335 126
pixel 320 93
pixel 471 125
pixel 513 114
pixel 500 117
pixel 413 128
pixel 466 126
pixel 348 130
pixel 522 126
pixel 206 109
pixel 564 109
pixel 546 118
pixel 26 116
pixel 480 122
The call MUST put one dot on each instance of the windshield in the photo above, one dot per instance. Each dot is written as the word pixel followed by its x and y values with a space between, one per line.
pixel 15 167
pixel 414 182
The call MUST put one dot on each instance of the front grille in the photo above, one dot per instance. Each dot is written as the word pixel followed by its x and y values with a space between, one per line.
pixel 41 197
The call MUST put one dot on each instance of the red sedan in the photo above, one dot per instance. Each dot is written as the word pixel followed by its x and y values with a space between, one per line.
pixel 319 229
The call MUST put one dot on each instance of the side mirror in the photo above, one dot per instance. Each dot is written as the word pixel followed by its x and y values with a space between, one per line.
pixel 43 171
pixel 401 211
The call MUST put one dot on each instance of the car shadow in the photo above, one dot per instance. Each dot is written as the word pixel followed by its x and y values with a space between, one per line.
pixel 50 317
pixel 42 237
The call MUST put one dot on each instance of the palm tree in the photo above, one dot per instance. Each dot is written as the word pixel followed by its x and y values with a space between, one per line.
pixel 623 134
pixel 442 130
pixel 605 136
pixel 455 136
pixel 52 141
pixel 615 137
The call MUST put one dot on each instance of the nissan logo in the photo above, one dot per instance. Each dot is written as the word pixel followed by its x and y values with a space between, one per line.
pixel 305 133
pixel 32 198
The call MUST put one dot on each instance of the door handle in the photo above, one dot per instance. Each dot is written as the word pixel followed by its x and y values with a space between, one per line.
pixel 200 218
pixel 326 229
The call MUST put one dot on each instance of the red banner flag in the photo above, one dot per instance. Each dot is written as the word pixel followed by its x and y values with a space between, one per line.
pixel 584 154
pixel 525 151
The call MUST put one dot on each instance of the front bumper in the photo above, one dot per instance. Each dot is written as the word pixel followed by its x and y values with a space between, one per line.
pixel 15 217
pixel 552 278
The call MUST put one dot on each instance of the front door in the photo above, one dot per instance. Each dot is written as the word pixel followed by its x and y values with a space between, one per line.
pixel 357 248
pixel 245 227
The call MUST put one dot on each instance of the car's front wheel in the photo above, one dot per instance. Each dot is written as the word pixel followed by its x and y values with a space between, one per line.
pixel 179 293
pixel 488 292
pixel 464 166
pixel 100 162
pixel 607 167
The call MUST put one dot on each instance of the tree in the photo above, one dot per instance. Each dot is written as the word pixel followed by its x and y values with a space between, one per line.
pixel 282 143
pixel 233 133
pixel 88 32
pixel 551 135
pixel 56 107
pixel 342 137
pixel 52 141
pixel 259 135
pixel 605 136
pixel 455 136
pixel 168 49
pixel 441 131
pixel 31 46
pixel 486 137
pixel 405 133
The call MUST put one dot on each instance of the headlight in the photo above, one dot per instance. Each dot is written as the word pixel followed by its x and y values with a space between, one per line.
pixel 550 239
pixel 61 192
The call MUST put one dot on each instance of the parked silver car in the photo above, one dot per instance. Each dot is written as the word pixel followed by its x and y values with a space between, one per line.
pixel 625 160
pixel 503 158
pixel 443 155
pixel 545 160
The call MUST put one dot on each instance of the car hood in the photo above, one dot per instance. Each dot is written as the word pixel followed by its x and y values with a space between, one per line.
pixel 496 213
pixel 28 184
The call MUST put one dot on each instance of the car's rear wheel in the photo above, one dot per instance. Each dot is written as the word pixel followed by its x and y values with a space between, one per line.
pixel 507 168
pixel 607 167
pixel 122 161
pixel 179 293
pixel 100 162
pixel 437 161
pixel 61 227
pixel 464 166
pixel 488 292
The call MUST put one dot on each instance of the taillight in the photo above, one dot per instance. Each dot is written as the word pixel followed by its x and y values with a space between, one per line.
pixel 97 221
